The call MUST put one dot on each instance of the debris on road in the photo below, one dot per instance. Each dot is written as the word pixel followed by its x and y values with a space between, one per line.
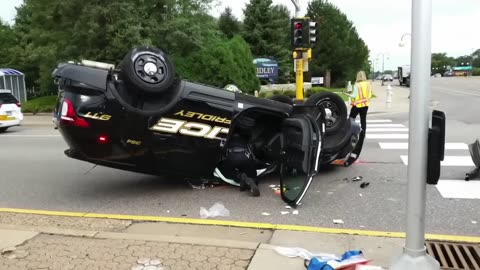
pixel 474 222
pixel 295 212
pixel 284 213
pixel 265 214
pixel 330 193
pixel 365 184
pixel 338 221
pixel 288 207
pixel 217 210
pixel 357 178
pixel 361 195
pixel 303 253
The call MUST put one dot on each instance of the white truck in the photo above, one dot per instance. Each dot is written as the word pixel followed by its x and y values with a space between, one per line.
pixel 404 75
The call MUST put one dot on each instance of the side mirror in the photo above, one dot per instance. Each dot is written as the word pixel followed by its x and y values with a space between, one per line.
pixel 436 147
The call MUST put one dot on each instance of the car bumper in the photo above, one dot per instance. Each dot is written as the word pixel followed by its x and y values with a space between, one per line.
pixel 10 121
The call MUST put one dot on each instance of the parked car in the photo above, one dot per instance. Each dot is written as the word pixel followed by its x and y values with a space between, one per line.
pixel 10 111
pixel 140 116
pixel 448 74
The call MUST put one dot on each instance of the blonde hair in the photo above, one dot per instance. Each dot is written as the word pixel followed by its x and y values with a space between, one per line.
pixel 361 76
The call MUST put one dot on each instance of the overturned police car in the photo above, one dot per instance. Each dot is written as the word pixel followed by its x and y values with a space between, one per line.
pixel 140 116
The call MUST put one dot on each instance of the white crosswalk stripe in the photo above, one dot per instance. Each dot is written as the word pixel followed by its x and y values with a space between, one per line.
pixel 387 136
pixel 377 121
pixel 391 136
pixel 457 189
pixel 404 146
pixel 457 161
pixel 387 129
pixel 385 126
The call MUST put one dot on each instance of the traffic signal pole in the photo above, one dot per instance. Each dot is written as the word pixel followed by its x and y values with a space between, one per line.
pixel 414 255
pixel 299 76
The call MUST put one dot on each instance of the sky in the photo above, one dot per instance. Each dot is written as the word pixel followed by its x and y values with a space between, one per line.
pixel 381 24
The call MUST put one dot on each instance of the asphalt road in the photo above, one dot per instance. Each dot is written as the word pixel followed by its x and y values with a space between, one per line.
pixel 35 174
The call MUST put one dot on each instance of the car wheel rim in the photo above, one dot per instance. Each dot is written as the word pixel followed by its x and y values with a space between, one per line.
pixel 331 121
pixel 150 69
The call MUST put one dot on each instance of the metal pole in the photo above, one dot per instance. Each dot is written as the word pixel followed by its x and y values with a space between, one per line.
pixel 296 3
pixel 414 254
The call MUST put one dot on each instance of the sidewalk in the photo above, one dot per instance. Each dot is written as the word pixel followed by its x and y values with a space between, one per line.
pixel 53 242
pixel 400 101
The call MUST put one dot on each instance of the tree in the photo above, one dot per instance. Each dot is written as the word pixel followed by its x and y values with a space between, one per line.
pixel 340 49
pixel 228 24
pixel 47 32
pixel 7 42
pixel 266 30
pixel 476 58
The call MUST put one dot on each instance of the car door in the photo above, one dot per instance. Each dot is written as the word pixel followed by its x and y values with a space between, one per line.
pixel 301 147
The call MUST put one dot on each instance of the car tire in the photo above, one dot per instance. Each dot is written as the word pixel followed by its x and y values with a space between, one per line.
pixel 283 99
pixel 335 104
pixel 148 70
pixel 3 129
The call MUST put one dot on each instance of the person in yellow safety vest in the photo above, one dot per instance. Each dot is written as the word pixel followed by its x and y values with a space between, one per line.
pixel 361 95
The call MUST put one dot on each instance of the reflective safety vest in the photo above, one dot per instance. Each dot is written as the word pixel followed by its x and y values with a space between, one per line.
pixel 363 94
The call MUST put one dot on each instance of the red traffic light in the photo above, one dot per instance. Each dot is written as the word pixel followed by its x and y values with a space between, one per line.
pixel 298 26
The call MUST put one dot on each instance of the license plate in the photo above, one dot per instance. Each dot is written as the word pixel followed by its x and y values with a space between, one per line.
pixel 9 113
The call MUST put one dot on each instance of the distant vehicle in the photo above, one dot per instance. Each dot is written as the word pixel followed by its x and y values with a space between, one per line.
pixel 379 78
pixel 388 77
pixel 10 111
pixel 437 75
pixel 404 75
pixel 448 74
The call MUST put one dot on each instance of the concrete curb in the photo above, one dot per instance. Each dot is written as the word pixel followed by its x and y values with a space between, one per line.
pixel 129 236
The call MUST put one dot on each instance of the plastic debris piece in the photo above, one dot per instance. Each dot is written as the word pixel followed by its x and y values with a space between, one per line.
pixel 288 207
pixel 303 253
pixel 284 212
pixel 474 222
pixel 265 214
pixel 361 195
pixel 143 261
pixel 338 221
pixel 361 226
pixel 365 184
pixel 168 211
pixel 357 178
pixel 217 210
pixel 155 262
pixel 295 212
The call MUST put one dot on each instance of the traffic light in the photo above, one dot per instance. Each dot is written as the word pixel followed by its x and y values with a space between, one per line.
pixel 299 35
pixel 312 34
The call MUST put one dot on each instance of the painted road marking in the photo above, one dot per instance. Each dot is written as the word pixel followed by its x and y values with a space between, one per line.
pixel 458 161
pixel 242 224
pixel 387 129
pixel 30 136
pixel 459 189
pixel 403 146
pixel 385 126
pixel 376 121
pixel 387 136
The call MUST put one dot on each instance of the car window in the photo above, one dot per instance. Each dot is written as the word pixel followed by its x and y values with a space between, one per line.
pixel 6 98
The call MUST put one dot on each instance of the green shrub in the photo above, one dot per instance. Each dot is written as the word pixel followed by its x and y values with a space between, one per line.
pixel 476 72
pixel 41 104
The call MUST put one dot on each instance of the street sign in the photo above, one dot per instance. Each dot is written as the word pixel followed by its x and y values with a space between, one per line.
pixel 317 80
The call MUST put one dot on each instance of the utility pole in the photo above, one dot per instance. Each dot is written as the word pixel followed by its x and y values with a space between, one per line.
pixel 414 255
pixel 296 3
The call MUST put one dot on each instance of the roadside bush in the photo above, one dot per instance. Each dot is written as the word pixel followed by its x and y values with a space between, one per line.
pixel 476 72
pixel 39 105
